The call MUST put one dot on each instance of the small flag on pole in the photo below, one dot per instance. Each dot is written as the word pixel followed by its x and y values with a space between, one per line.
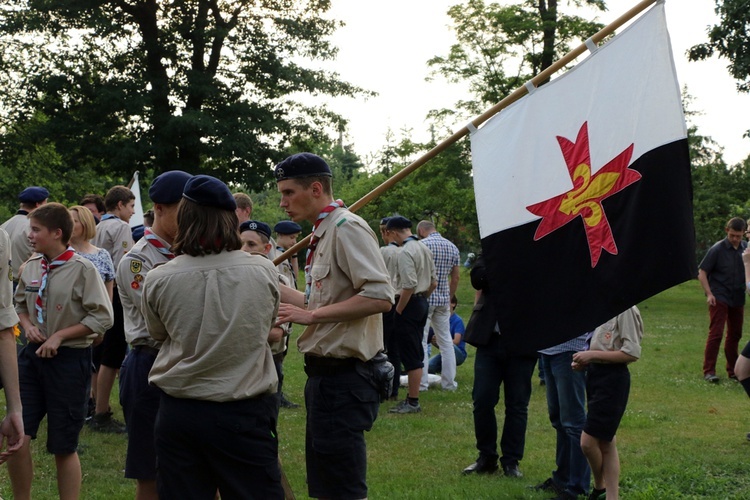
pixel 137 218
pixel 583 191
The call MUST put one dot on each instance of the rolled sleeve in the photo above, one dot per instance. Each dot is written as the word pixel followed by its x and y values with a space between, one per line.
pixel 100 316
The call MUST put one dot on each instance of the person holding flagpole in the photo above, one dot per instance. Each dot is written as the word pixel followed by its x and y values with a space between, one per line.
pixel 347 289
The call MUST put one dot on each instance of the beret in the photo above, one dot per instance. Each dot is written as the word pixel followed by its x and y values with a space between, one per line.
pixel 209 192
pixel 257 226
pixel 302 165
pixel 398 222
pixel 138 231
pixel 384 221
pixel 287 227
pixel 167 188
pixel 33 194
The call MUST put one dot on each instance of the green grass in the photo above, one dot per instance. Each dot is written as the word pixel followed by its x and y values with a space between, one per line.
pixel 680 437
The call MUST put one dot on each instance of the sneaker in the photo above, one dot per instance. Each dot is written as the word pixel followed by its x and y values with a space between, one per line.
pixel 597 494
pixel 285 403
pixel 405 407
pixel 711 377
pixel 481 466
pixel 548 485
pixel 103 422
pixel 512 470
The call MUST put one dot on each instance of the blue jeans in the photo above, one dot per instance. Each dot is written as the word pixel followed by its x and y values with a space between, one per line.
pixel 493 365
pixel 436 362
pixel 566 403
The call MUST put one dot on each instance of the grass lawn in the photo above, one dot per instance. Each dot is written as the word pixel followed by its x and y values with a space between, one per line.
pixel 680 437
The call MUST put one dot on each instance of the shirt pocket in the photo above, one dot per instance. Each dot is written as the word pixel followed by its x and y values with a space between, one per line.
pixel 320 288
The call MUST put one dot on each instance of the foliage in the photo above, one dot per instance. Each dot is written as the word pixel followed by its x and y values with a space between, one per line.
pixel 206 86
pixel 730 40
pixel 680 438
pixel 500 47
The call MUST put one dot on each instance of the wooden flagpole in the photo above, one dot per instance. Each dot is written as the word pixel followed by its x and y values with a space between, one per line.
pixel 476 122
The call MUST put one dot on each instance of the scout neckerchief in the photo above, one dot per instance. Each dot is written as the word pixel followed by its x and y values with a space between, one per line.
pixel 109 216
pixel 48 267
pixel 152 239
pixel 21 211
pixel 410 238
pixel 314 243
pixel 393 243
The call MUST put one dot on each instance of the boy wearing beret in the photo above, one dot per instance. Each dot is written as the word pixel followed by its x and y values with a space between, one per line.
pixel 17 226
pixel 347 289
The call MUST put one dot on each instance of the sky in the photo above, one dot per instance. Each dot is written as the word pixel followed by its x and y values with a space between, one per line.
pixel 385 46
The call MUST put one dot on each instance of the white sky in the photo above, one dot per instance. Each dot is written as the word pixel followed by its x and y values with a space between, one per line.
pixel 385 46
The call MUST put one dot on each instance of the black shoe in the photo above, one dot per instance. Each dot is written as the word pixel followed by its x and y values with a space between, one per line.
pixel 598 494
pixel 285 403
pixel 548 485
pixel 512 470
pixel 481 467
pixel 103 422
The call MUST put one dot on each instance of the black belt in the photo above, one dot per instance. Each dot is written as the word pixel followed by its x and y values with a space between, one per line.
pixel 317 366
pixel 146 349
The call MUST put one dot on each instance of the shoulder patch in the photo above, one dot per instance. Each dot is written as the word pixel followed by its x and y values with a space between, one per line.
pixel 341 221
pixel 136 266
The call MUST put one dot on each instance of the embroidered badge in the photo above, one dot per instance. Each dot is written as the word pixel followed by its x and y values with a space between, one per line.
pixel 138 278
pixel 318 285
pixel 135 285
pixel 124 244
pixel 58 307
pixel 136 266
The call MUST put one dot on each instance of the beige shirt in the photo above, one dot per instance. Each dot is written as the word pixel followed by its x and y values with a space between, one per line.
pixel 347 262
pixel 114 235
pixel 18 229
pixel 75 293
pixel 279 346
pixel 131 273
pixel 390 253
pixel 213 315
pixel 622 333
pixel 8 316
pixel 416 269
pixel 285 268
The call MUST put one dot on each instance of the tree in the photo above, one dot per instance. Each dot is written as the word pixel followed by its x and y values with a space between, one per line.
pixel 500 47
pixel 206 86
pixel 730 40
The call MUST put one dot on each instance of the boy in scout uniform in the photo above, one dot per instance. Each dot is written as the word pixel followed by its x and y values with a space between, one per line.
pixel 17 226
pixel 347 289
pixel 114 235
pixel 416 281
pixel 390 253
pixel 287 232
pixel 212 306
pixel 139 400
pixel 62 306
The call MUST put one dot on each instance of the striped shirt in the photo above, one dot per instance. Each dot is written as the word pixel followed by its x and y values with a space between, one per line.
pixel 574 345
pixel 446 257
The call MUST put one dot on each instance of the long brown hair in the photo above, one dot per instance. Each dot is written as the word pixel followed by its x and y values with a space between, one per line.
pixel 203 230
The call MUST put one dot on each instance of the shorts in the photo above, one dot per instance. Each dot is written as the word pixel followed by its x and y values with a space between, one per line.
pixel 607 390
pixel 339 409
pixel 114 347
pixel 206 445
pixel 409 329
pixel 140 404
pixel 59 388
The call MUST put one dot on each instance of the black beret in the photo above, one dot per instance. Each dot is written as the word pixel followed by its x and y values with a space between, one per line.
pixel 210 192
pixel 302 165
pixel 287 227
pixel 398 222
pixel 167 188
pixel 384 221
pixel 33 194
pixel 257 226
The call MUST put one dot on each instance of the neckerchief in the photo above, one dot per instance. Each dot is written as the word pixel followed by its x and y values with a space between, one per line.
pixel 21 211
pixel 410 238
pixel 48 267
pixel 314 243
pixel 393 243
pixel 153 240
pixel 109 216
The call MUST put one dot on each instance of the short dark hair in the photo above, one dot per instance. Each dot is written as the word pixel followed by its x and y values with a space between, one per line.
pixel 243 201
pixel 116 195
pixel 54 216
pixel 148 217
pixel 96 199
pixel 306 182
pixel 203 230
pixel 737 224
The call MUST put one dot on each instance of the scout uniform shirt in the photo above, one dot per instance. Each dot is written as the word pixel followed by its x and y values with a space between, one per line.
pixel 390 257
pixel 279 346
pixel 213 314
pixel 346 262
pixel 113 235
pixel 8 316
pixel 131 273
pixel 622 333
pixel 416 269
pixel 75 293
pixel 18 229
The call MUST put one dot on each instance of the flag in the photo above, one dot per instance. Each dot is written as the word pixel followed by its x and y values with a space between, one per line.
pixel 137 218
pixel 583 191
